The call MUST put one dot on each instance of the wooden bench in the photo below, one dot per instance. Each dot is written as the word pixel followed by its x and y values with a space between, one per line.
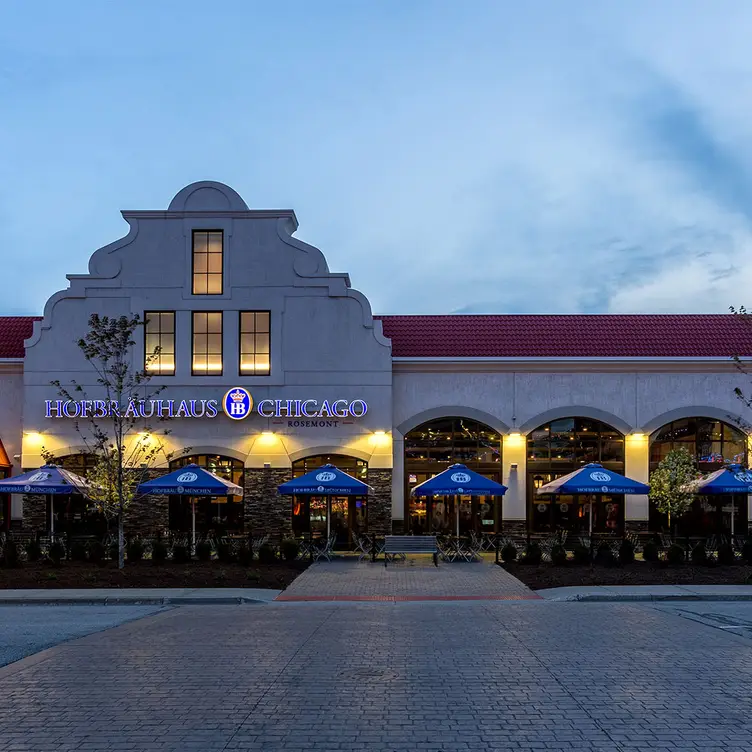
pixel 411 544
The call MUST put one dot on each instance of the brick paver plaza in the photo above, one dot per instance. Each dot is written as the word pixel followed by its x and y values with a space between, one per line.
pixel 414 579
pixel 407 676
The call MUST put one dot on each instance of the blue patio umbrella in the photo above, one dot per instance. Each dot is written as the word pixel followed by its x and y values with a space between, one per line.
pixel 327 481
pixel 190 480
pixel 593 479
pixel 732 479
pixel 459 480
pixel 49 480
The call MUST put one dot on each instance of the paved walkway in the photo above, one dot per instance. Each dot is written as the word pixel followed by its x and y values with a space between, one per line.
pixel 412 580
pixel 649 593
pixel 139 596
pixel 527 676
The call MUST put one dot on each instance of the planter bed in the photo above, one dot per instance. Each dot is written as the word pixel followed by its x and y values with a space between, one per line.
pixel 144 574
pixel 637 573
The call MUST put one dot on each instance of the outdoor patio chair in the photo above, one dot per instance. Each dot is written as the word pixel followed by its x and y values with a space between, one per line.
pixel 363 546
pixel 325 550
pixel 258 541
pixel 447 548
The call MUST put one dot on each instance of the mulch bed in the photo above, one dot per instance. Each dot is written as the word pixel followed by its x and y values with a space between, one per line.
pixel 144 574
pixel 638 573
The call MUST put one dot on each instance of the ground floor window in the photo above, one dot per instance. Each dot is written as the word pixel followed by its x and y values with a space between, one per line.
pixel 708 515
pixel 573 513
pixel 348 514
pixel 215 515
pixel 438 514
pixel 75 515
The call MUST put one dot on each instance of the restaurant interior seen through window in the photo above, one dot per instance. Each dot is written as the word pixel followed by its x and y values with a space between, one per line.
pixel 433 447
pixel 561 447
pixel 349 513
pixel 75 514
pixel 220 515
pixel 713 443
pixel 159 342
pixel 207 262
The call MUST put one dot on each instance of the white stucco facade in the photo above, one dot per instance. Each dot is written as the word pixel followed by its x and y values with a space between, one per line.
pixel 325 345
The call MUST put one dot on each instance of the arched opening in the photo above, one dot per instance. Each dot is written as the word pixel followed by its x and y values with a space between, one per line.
pixel 74 514
pixel 349 513
pixel 713 443
pixel 221 515
pixel 561 447
pixel 431 448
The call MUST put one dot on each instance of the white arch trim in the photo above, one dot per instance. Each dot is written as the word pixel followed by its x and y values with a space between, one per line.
pixel 208 449
pixel 695 411
pixel 575 411
pixel 452 411
pixel 301 454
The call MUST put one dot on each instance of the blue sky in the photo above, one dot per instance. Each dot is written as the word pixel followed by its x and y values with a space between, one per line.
pixel 451 156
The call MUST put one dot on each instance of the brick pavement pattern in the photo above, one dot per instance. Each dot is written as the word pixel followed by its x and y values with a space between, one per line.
pixel 376 677
pixel 415 578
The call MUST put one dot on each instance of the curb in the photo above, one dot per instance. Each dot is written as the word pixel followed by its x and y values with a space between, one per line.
pixel 134 601
pixel 635 598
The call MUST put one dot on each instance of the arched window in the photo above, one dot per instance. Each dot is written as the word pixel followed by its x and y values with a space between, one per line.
pixel 349 513
pixel 218 514
pixel 76 515
pixel 713 443
pixel 431 448
pixel 561 447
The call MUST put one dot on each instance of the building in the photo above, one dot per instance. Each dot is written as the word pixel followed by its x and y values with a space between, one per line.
pixel 233 299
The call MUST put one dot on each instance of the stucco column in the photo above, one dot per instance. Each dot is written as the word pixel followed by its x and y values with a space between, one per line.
pixel 513 453
pixel 637 467
pixel 398 476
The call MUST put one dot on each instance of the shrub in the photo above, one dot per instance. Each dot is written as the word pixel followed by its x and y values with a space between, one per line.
pixel 225 553
pixel 134 550
pixel 159 552
pixel 79 552
pixel 559 555
pixel 33 551
pixel 675 554
pixel 626 552
pixel 699 555
pixel 726 555
pixel 650 552
pixel 747 551
pixel 97 552
pixel 181 553
pixel 509 553
pixel 112 551
pixel 604 556
pixel 245 555
pixel 290 549
pixel 56 553
pixel 533 554
pixel 203 551
pixel 11 554
pixel 581 554
pixel 266 554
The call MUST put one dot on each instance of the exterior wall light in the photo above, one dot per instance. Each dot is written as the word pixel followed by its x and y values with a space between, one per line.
pixel 637 436
pixel 34 438
pixel 268 437
pixel 379 438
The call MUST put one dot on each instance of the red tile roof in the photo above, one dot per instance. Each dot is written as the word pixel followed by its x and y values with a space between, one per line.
pixel 13 331
pixel 570 336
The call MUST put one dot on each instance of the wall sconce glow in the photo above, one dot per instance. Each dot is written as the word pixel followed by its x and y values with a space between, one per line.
pixel 637 436
pixel 267 437
pixel 34 438
pixel 379 438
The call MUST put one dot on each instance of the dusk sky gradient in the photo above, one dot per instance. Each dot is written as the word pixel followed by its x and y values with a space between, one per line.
pixel 480 156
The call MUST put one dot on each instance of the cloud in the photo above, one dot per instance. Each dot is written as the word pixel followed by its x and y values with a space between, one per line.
pixel 503 158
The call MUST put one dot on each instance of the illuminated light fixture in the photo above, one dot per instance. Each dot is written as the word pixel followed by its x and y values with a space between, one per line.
pixel 637 435
pixel 379 433
pixel 267 433
pixel 33 437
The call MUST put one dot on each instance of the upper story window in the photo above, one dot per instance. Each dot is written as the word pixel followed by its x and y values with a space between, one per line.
pixel 254 343
pixel 206 358
pixel 159 342
pixel 207 262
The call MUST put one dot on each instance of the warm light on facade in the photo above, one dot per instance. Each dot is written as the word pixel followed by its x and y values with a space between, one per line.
pixel 33 438
pixel 379 438
pixel 636 436
pixel 267 437
pixel 514 438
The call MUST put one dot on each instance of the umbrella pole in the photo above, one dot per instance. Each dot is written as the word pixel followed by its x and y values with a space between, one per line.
pixel 457 514
pixel 193 526
pixel 52 515
pixel 732 517
pixel 328 517
pixel 591 517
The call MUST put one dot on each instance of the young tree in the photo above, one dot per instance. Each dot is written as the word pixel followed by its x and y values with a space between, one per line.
pixel 670 483
pixel 124 451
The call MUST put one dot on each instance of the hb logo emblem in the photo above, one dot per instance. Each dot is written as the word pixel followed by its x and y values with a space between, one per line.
pixel 237 403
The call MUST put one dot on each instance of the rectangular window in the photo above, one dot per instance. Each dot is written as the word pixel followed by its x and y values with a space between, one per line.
pixel 255 351
pixel 207 343
pixel 207 262
pixel 159 342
